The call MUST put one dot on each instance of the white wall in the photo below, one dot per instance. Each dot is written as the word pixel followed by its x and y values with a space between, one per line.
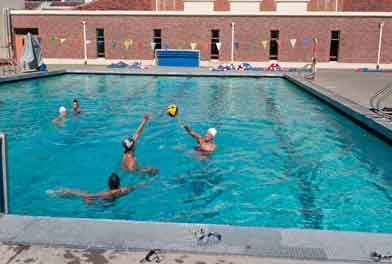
pixel 292 6
pixel 15 4
pixel 199 6
pixel 245 6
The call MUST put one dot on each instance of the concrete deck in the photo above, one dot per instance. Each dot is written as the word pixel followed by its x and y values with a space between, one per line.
pixel 17 254
pixel 134 236
pixel 355 86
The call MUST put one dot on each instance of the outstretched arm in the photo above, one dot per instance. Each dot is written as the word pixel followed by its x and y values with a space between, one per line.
pixel 84 194
pixel 132 187
pixel 191 132
pixel 139 130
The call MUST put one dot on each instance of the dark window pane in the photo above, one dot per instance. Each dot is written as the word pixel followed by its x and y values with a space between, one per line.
pixel 215 33
pixel 24 31
pixel 214 39
pixel 157 33
pixel 335 42
pixel 274 48
pixel 157 38
pixel 100 40
pixel 335 34
pixel 274 34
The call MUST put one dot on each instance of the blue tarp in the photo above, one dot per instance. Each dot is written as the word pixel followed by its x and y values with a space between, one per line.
pixel 178 58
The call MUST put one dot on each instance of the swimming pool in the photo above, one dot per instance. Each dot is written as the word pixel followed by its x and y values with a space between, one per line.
pixel 284 159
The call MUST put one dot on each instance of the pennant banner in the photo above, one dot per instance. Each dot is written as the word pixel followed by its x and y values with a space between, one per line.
pixel 114 44
pixel 293 42
pixel 218 45
pixel 264 44
pixel 306 40
pixel 39 40
pixel 193 45
pixel 180 45
pixel 279 43
pixel 236 45
pixel 315 41
pixel 152 45
pixel 250 45
pixel 52 40
pixel 165 46
pixel 128 43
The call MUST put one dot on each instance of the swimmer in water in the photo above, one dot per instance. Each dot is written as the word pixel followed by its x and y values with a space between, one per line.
pixel 62 115
pixel 114 191
pixel 205 144
pixel 129 144
pixel 76 108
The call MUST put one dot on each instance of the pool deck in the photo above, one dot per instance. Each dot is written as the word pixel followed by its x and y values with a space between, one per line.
pixel 58 240
pixel 140 237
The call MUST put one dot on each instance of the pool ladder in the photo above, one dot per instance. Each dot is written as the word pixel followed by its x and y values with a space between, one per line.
pixel 380 96
pixel 302 72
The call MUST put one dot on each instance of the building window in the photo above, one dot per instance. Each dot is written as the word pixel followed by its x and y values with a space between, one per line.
pixel 214 41
pixel 335 40
pixel 157 39
pixel 24 31
pixel 100 42
pixel 274 45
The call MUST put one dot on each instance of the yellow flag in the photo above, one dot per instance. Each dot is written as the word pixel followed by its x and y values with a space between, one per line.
pixel 264 43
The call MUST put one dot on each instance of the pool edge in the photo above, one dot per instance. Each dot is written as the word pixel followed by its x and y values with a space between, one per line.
pixel 304 244
pixel 30 76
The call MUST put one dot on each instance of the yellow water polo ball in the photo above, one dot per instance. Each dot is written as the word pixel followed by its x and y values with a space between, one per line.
pixel 172 110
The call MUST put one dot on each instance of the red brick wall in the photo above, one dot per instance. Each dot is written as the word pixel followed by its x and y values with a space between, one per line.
pixel 221 5
pixel 359 35
pixel 368 5
pixel 351 5
pixel 325 5
pixel 268 5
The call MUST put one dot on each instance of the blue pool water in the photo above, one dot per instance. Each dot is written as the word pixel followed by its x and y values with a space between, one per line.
pixel 284 159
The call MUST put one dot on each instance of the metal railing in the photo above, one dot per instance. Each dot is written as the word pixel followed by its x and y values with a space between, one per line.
pixel 4 175
pixel 304 72
pixel 380 96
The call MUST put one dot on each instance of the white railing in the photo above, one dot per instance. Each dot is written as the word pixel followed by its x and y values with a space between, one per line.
pixel 3 173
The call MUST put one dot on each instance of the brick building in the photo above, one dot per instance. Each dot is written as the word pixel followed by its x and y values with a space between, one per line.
pixel 272 31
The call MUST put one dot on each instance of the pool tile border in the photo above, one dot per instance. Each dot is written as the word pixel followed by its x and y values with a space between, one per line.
pixel 250 241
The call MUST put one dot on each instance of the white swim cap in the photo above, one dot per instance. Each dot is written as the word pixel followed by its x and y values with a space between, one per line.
pixel 62 109
pixel 212 131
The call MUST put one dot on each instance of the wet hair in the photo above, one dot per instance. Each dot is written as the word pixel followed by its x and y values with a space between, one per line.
pixel 114 181
pixel 75 101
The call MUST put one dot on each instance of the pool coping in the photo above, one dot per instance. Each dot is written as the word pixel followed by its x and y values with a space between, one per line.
pixel 236 240
pixel 102 234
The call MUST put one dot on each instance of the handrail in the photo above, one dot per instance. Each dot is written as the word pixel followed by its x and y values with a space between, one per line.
pixel 384 92
pixel 302 70
pixel 3 173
